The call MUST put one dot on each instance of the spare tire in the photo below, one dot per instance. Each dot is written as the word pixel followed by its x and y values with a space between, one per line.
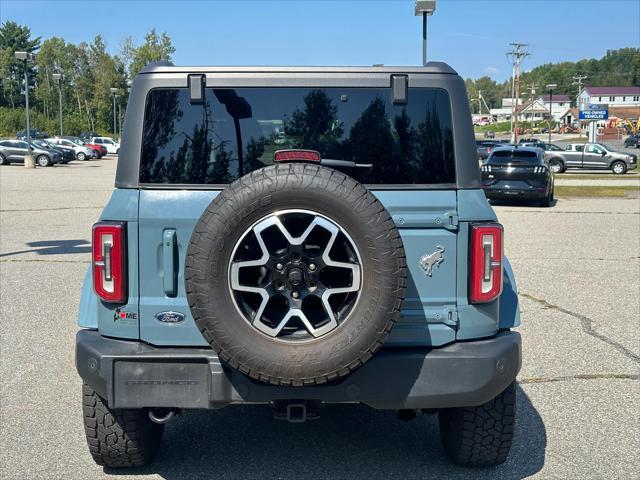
pixel 295 274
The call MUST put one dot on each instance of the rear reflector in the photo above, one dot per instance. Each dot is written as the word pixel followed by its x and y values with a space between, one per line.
pixel 485 262
pixel 109 257
pixel 296 156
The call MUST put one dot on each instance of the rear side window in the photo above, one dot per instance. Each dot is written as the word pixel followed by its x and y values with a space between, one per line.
pixel 514 156
pixel 236 131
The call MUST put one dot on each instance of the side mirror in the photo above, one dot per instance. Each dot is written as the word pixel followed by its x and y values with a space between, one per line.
pixel 604 153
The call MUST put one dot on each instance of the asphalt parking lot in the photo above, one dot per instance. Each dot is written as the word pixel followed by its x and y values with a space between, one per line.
pixel 578 268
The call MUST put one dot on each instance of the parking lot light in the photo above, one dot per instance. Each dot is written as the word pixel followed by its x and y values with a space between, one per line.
pixel 115 124
pixel 425 8
pixel 26 57
pixel 57 77
pixel 550 87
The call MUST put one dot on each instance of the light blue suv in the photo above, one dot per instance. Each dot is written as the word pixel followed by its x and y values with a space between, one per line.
pixel 298 237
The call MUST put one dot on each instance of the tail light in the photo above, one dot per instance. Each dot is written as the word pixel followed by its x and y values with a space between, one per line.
pixel 296 156
pixel 109 257
pixel 485 260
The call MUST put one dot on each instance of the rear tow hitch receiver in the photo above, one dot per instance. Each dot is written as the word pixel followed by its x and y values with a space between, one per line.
pixel 296 411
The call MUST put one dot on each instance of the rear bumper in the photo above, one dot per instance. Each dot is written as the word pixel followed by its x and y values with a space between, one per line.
pixel 515 193
pixel 131 374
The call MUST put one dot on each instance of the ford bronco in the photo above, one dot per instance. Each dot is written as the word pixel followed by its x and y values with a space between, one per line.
pixel 298 237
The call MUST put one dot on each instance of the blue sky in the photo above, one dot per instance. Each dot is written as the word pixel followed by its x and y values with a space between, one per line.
pixel 472 36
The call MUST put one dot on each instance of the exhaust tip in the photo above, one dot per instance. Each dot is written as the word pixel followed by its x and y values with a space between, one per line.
pixel 161 416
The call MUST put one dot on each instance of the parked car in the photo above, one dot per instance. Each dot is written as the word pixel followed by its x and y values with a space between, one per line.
pixel 632 141
pixel 518 173
pixel 14 151
pixel 67 153
pixel 109 143
pixel 592 156
pixel 489 134
pixel 99 151
pixel 484 148
pixel 82 152
pixel 529 141
pixel 35 134
pixel 86 136
pixel 280 278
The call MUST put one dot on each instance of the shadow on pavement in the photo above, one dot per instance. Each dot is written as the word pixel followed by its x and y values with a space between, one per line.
pixel 54 247
pixel 353 442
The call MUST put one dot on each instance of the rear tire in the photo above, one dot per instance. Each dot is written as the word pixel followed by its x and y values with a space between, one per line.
pixel 480 436
pixel 619 168
pixel 119 437
pixel 547 201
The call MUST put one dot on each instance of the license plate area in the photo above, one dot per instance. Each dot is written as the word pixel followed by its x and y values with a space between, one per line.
pixel 161 384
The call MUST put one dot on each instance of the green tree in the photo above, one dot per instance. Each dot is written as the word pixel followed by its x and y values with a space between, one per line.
pixel 154 49
pixel 14 37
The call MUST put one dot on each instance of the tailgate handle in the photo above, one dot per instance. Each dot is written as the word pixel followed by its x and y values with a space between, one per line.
pixel 170 261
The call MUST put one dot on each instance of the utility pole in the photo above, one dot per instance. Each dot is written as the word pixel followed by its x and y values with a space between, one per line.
pixel 532 90
pixel 578 79
pixel 516 55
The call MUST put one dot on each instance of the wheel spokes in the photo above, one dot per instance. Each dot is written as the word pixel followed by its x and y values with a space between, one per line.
pixel 307 278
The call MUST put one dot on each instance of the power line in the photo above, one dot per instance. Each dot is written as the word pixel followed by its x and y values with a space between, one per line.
pixel 516 55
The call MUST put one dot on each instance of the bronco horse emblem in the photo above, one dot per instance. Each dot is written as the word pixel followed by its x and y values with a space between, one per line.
pixel 428 261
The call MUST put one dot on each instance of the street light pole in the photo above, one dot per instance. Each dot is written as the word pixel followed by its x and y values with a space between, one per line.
pixel 115 124
pixel 57 77
pixel 550 87
pixel 424 8
pixel 27 57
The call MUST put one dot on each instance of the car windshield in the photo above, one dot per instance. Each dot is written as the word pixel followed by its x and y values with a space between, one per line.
pixel 77 141
pixel 40 144
pixel 553 148
pixel 606 147
pixel 513 156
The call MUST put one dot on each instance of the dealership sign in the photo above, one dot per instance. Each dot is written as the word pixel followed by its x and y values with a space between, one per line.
pixel 595 112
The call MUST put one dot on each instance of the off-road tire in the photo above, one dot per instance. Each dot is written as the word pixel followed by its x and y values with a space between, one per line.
pixel 329 193
pixel 118 438
pixel 480 436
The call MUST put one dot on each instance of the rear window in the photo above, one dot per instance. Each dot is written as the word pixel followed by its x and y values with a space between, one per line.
pixel 514 156
pixel 236 131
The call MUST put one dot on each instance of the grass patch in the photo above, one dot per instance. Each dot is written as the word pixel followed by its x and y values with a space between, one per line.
pixel 593 191
pixel 597 176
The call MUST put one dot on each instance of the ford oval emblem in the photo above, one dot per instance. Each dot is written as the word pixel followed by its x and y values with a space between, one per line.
pixel 170 317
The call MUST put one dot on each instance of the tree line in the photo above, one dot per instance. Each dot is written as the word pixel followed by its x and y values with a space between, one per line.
pixel 88 71
pixel 618 68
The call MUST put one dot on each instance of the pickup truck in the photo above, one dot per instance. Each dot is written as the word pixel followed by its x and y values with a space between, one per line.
pixel 591 156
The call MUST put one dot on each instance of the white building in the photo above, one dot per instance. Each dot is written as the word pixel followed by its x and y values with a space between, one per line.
pixel 504 113
pixel 559 105
pixel 610 96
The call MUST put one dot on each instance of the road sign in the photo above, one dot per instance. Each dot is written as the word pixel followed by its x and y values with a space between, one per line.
pixel 595 112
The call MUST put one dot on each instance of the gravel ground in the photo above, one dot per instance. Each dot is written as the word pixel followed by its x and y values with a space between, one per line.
pixel 578 268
